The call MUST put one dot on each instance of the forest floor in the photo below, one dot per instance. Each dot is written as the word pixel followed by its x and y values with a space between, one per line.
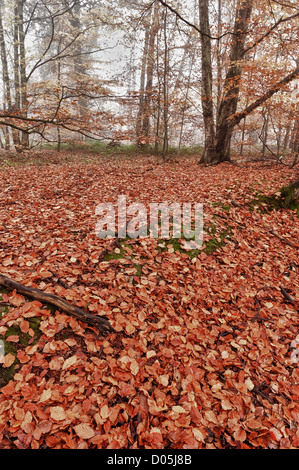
pixel 204 349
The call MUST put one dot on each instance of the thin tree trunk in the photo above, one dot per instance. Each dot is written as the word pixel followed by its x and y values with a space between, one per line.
pixel 158 115
pixel 79 66
pixel 23 79
pixel 286 138
pixel 185 101
pixel 165 91
pixel 294 139
pixel 20 81
pixel 140 113
pixel 5 77
pixel 218 53
pixel 150 74
pixel 16 70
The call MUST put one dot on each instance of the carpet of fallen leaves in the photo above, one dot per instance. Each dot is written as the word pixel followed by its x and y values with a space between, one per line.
pixel 201 357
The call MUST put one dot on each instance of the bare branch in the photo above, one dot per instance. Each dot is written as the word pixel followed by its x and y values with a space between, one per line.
pixel 274 26
pixel 277 87
pixel 192 25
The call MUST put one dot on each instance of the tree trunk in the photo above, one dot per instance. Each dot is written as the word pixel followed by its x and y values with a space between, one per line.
pixel 218 54
pixel 20 80
pixel 23 79
pixel 165 91
pixel 5 77
pixel 286 137
pixel 264 132
pixel 150 75
pixel 140 113
pixel 294 140
pixel 79 64
pixel 16 69
pixel 185 102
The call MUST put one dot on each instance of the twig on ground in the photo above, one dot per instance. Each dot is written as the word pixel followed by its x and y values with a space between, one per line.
pixel 287 296
pixel 294 245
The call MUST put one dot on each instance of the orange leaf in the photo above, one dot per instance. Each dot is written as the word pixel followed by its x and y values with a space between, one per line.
pixel 8 360
pixel 57 413
pixel 104 412
pixel 84 431
pixel 13 338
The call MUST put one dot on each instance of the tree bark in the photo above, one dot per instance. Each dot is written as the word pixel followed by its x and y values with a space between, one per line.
pixel 231 89
pixel 5 77
pixel 141 106
pixel 150 75
pixel 165 91
pixel 101 323
pixel 23 78
pixel 208 155
pixel 20 80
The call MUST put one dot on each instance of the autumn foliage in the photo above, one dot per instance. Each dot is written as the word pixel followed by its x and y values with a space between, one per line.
pixel 201 357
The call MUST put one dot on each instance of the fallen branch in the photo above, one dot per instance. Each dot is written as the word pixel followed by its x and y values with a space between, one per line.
pixel 287 296
pixel 259 306
pixel 101 323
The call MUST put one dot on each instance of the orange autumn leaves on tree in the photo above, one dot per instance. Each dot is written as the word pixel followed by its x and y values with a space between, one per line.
pixel 190 364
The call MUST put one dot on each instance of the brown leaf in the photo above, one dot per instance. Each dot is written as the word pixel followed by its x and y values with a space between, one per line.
pixel 57 413
pixel 84 431
pixel 9 359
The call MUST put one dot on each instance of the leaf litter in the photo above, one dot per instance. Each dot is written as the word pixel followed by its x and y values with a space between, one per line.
pixel 191 364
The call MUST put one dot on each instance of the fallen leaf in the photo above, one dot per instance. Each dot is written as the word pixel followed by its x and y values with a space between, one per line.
pixel 134 367
pixel 9 359
pixel 57 413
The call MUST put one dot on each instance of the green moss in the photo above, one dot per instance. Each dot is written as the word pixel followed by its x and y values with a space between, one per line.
pixel 113 255
pixel 24 338
pixel 225 207
pixel 7 373
pixel 214 243
pixel 177 246
pixel 3 310
pixel 138 268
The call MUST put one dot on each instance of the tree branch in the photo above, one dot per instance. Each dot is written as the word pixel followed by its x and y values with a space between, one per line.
pixel 192 25
pixel 236 118
pixel 58 302
pixel 277 23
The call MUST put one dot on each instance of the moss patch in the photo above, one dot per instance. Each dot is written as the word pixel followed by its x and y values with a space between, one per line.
pixel 163 245
pixel 24 339
pixel 7 373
